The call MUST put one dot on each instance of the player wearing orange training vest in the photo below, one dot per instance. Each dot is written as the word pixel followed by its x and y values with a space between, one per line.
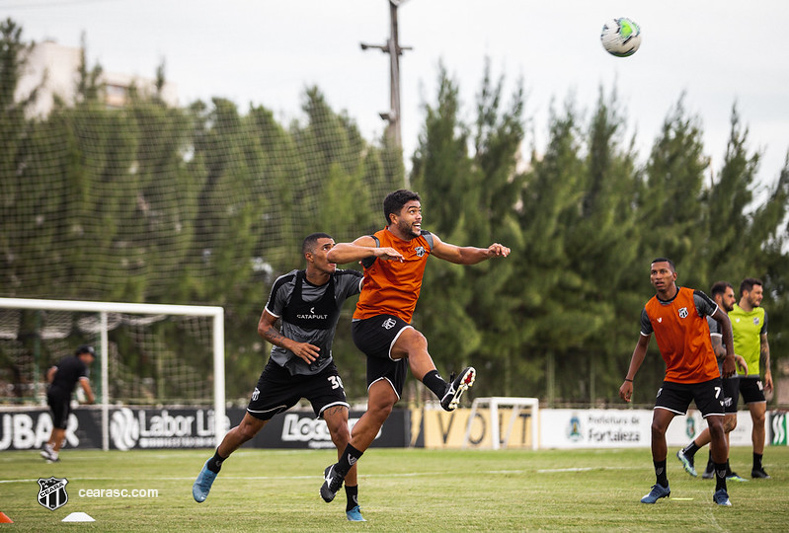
pixel 382 323
pixel 677 317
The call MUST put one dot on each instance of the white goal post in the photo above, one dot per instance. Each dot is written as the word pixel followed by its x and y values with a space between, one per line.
pixel 104 308
pixel 516 405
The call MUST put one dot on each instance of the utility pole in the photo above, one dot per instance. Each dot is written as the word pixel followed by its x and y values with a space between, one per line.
pixel 393 48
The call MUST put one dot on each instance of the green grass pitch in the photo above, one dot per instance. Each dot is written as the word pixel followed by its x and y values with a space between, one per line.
pixel 412 490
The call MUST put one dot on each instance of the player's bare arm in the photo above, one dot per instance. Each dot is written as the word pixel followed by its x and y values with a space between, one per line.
pixel 717 346
pixel 722 318
pixel 741 364
pixel 720 353
pixel 361 248
pixel 639 353
pixel 85 384
pixel 764 362
pixel 466 255
pixel 304 350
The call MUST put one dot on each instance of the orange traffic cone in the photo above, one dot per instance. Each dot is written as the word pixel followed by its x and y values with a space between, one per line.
pixel 4 519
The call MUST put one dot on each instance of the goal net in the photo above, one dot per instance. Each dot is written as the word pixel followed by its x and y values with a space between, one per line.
pixel 147 354
pixel 514 422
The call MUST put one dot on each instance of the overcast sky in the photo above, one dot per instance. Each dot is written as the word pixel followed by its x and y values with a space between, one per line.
pixel 265 52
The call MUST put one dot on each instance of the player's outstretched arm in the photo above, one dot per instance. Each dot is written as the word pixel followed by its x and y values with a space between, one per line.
pixel 361 248
pixel 466 255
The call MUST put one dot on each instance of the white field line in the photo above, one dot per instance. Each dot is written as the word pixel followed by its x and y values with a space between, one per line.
pixel 388 475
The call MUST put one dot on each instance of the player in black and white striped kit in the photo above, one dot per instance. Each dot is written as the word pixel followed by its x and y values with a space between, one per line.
pixel 307 303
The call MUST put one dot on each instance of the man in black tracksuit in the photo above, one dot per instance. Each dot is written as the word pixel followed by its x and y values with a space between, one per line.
pixel 63 378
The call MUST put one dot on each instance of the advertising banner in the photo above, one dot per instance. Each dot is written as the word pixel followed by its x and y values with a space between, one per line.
pixel 625 428
pixel 778 428
pixel 436 428
pixel 595 428
pixel 162 428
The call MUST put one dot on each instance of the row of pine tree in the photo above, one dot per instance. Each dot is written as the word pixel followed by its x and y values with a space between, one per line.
pixel 208 204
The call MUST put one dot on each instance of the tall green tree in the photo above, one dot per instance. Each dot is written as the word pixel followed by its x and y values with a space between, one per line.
pixel 13 132
pixel 775 258
pixel 552 190
pixel 441 161
pixel 731 247
pixel 601 243
pixel 494 196
pixel 159 232
pixel 225 232
pixel 672 213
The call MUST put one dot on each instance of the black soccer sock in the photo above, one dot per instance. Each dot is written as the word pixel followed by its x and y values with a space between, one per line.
pixel 691 449
pixel 710 463
pixel 348 458
pixel 215 463
pixel 352 494
pixel 660 473
pixel 435 383
pixel 720 475
pixel 757 461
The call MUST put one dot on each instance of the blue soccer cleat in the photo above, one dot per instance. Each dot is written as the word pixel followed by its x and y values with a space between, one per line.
pixel 355 515
pixel 202 485
pixel 721 497
pixel 657 492
pixel 687 463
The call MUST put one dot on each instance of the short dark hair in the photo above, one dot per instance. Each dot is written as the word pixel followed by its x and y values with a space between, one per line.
pixel 308 245
pixel 719 287
pixel 85 348
pixel 395 201
pixel 664 260
pixel 748 283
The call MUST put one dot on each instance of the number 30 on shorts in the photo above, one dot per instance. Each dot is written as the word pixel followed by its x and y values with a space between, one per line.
pixel 336 382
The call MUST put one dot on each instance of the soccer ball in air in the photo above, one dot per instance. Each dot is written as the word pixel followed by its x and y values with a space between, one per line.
pixel 621 37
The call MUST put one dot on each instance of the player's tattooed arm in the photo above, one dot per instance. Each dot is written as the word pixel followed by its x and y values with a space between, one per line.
pixel 266 329
pixel 272 335
pixel 764 362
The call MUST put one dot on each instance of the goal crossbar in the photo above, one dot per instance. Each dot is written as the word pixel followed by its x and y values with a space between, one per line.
pixel 493 403
pixel 216 312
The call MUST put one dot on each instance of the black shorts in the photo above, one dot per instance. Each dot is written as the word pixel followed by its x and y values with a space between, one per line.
pixel 752 390
pixel 277 391
pixel 731 394
pixel 61 409
pixel 676 397
pixel 375 337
